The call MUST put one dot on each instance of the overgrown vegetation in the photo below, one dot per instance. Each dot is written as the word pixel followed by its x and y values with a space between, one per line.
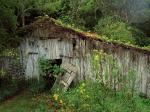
pixel 12 79
pixel 49 72
pixel 114 28
pixel 50 67
pixel 107 91
pixel 85 97
pixel 94 97
pixel 24 102
pixel 125 21
pixel 100 93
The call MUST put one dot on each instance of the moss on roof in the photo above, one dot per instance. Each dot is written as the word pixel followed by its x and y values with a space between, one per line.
pixel 47 22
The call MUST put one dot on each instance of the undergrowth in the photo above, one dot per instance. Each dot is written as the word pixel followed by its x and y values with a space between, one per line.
pixel 95 97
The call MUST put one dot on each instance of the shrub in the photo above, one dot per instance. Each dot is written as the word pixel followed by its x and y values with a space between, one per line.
pixel 10 86
pixel 49 71
pixel 114 28
pixel 12 79
pixel 36 86
pixel 93 97
pixel 51 8
pixel 49 67
pixel 140 37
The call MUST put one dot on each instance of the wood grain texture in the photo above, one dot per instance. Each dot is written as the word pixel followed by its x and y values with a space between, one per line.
pixel 77 49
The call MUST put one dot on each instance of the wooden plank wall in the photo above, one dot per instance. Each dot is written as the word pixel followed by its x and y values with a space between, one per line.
pixel 126 59
pixel 80 55
pixel 33 48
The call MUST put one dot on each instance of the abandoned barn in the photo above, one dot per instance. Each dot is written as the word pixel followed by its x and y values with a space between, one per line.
pixel 48 39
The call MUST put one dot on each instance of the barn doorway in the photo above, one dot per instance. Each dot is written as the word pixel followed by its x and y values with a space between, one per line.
pixel 50 77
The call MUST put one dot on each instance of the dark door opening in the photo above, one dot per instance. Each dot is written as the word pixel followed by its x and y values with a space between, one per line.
pixel 49 77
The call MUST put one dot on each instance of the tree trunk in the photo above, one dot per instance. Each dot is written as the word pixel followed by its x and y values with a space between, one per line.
pixel 23 20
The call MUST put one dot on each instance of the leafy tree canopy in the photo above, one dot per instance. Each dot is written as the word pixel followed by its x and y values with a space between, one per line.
pixel 94 15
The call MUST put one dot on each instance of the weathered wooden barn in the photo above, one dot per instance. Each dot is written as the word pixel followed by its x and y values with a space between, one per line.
pixel 47 38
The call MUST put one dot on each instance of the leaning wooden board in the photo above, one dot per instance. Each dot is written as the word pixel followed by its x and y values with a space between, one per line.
pixel 67 78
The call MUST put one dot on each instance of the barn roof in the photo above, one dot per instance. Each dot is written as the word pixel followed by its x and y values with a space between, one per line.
pixel 54 27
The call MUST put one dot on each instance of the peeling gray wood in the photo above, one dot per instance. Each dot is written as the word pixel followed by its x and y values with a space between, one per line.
pixel 60 46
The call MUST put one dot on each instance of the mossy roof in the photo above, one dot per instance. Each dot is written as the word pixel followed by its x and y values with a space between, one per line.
pixel 47 23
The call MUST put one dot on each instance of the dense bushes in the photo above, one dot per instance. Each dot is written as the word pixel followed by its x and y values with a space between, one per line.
pixel 114 28
pixel 10 86
pixel 94 97
pixel 36 86
pixel 49 70
pixel 12 79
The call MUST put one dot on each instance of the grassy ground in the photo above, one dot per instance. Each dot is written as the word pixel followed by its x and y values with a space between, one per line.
pixel 27 102
pixel 21 103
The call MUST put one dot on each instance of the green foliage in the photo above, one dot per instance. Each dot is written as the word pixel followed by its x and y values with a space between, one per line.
pixel 27 102
pixel 50 7
pixel 8 24
pixel 7 17
pixel 36 86
pixel 102 14
pixel 114 28
pixel 23 102
pixel 83 14
pixel 49 67
pixel 94 97
pixel 80 14
pixel 10 86
pixel 140 38
pixel 142 41
pixel 12 53
pixel 12 80
pixel 101 93
pixel 49 71
pixel 106 70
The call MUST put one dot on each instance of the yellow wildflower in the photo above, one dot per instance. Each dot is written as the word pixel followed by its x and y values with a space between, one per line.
pixel 81 91
pixel 55 96
pixel 61 101
pixel 83 84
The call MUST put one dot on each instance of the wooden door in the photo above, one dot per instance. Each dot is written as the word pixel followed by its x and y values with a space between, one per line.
pixel 32 66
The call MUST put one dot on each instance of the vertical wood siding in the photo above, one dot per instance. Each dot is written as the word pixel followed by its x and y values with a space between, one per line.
pixel 80 55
